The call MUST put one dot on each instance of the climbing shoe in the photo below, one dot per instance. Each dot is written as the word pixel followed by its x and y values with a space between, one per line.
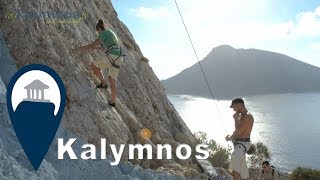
pixel 111 104
pixel 102 86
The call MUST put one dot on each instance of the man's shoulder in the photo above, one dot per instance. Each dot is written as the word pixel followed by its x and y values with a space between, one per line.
pixel 248 116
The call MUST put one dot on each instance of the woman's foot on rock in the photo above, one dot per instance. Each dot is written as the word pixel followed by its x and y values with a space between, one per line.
pixel 111 104
pixel 102 86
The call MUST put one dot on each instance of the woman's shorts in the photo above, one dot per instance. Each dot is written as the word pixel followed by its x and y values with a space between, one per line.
pixel 105 63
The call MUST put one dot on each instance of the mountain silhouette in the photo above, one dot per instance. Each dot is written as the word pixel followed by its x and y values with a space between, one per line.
pixel 241 72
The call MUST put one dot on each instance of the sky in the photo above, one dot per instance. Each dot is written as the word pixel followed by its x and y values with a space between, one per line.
pixel 290 27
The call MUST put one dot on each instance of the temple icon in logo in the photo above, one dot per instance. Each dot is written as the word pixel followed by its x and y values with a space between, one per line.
pixel 35 89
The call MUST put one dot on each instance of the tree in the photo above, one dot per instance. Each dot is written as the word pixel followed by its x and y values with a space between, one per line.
pixel 260 154
pixel 219 156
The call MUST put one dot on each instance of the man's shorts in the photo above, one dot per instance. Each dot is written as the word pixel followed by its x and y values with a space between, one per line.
pixel 105 63
pixel 238 159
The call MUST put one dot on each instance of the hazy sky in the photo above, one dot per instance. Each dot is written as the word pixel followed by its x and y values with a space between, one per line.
pixel 291 27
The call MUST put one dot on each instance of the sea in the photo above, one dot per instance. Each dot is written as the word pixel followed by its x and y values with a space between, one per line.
pixel 288 124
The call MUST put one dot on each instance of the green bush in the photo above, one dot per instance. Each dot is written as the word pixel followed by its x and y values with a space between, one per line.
pixel 203 139
pixel 219 156
pixel 183 139
pixel 260 154
pixel 302 173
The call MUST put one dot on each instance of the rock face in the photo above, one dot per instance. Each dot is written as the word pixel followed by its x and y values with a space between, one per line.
pixel 141 100
pixel 242 72
pixel 34 35
pixel 15 165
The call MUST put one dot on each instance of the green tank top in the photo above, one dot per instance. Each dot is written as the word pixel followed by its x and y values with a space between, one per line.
pixel 109 38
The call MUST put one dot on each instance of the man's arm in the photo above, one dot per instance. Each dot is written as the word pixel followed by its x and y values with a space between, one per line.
pixel 244 124
pixel 236 126
pixel 236 120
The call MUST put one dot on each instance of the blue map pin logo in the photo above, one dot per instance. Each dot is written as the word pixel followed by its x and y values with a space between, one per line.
pixel 36 99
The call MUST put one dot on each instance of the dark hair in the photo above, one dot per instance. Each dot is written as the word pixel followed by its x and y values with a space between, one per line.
pixel 266 163
pixel 236 101
pixel 100 25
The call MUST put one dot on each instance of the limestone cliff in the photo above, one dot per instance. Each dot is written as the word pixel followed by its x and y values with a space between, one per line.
pixel 34 35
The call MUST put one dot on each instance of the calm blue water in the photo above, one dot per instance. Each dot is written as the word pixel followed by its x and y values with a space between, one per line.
pixel 289 124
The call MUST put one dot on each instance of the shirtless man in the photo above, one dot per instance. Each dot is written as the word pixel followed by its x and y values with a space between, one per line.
pixel 241 139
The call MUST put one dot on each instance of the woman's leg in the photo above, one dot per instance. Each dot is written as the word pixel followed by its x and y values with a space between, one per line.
pixel 113 89
pixel 98 73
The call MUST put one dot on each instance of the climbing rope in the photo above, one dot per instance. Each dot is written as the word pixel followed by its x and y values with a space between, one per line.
pixel 204 75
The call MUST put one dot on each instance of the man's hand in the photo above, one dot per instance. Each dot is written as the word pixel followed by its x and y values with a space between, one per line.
pixel 236 116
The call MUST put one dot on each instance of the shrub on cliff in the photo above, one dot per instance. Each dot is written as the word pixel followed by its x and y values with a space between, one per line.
pixel 260 154
pixel 219 156
pixel 302 173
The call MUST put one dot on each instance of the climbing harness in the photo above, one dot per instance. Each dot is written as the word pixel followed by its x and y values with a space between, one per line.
pixel 238 142
pixel 113 61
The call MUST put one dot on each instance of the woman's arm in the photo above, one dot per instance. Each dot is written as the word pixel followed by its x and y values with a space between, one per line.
pixel 87 47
